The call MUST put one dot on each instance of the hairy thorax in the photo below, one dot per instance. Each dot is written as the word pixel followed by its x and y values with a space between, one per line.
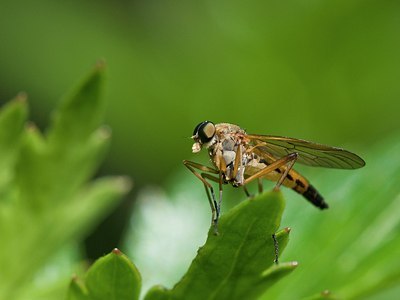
pixel 228 141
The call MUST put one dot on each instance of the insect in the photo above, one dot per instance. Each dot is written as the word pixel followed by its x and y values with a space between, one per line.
pixel 239 158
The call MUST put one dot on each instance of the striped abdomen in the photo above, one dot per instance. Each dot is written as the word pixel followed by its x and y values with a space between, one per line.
pixel 293 180
pixel 303 187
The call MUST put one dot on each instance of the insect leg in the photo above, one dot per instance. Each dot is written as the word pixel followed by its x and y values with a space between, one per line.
pixel 289 160
pixel 191 164
pixel 238 158
pixel 220 196
pixel 260 186
pixel 260 189
pixel 287 169
pixel 276 247
pixel 216 208
pixel 208 187
pixel 247 192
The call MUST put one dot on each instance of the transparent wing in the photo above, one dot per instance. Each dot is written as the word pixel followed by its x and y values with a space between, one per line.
pixel 311 154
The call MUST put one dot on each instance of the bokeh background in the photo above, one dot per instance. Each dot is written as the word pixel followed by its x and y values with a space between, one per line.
pixel 326 71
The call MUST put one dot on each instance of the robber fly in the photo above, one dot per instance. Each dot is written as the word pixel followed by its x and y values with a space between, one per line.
pixel 240 158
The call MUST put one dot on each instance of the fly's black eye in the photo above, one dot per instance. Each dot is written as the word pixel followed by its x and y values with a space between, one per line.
pixel 204 131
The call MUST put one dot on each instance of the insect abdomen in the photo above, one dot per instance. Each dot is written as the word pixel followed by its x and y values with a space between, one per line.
pixel 293 180
pixel 312 195
pixel 303 187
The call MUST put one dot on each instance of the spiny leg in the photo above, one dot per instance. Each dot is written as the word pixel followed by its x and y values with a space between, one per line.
pixel 219 180
pixel 213 204
pixel 220 195
pixel 276 248
pixel 217 205
pixel 286 160
pixel 209 189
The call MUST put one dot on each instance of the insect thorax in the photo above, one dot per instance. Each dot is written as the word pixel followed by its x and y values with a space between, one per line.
pixel 226 148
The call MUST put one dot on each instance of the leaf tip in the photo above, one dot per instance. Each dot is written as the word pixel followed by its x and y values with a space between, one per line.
pixel 124 184
pixel 100 64
pixel 104 132
pixel 116 251
pixel 283 234
pixel 326 293
pixel 17 107
pixel 294 264
pixel 157 292
pixel 21 97
pixel 277 271
pixel 31 127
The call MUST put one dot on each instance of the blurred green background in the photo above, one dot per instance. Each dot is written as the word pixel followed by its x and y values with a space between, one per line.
pixel 326 71
pixel 320 70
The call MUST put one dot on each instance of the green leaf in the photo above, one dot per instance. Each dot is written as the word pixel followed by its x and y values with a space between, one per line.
pixel 239 262
pixel 94 201
pixel 73 143
pixel 113 276
pixel 276 272
pixel 12 119
pixel 80 112
pixel 325 295
pixel 158 292
pixel 46 200
pixel 77 290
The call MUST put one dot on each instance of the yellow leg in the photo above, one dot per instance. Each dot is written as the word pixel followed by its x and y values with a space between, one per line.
pixel 288 160
pixel 215 206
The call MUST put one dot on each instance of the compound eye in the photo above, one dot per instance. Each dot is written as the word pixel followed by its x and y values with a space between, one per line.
pixel 205 131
